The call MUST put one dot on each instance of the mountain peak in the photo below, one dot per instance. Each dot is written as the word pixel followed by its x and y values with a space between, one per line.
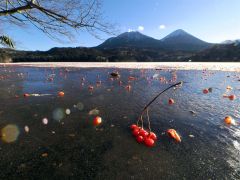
pixel 130 32
pixel 133 39
pixel 132 35
pixel 178 32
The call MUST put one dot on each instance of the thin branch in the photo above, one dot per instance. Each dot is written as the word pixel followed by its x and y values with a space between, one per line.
pixel 56 18
pixel 15 10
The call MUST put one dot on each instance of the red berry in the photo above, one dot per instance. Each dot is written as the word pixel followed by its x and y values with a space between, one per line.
pixel 90 88
pixel 133 126
pixel 26 95
pixel 205 91
pixel 170 101
pixel 232 97
pixel 135 132
pixel 153 136
pixel 61 93
pixel 139 139
pixel 149 142
pixel 128 87
pixel 97 120
pixel 228 120
pixel 143 133
pixel 137 128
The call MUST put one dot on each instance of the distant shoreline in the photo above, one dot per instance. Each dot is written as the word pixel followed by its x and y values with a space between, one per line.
pixel 224 66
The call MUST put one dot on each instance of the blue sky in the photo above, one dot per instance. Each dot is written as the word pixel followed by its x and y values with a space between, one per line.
pixel 210 20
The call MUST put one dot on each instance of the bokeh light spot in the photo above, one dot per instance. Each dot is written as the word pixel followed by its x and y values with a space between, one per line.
pixel 67 111
pixel 10 133
pixel 58 114
pixel 80 106
pixel 26 129
pixel 45 121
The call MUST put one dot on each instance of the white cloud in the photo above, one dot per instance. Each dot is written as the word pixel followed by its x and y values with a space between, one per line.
pixel 162 26
pixel 130 30
pixel 140 28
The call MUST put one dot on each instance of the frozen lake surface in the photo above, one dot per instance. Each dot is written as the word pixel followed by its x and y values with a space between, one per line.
pixel 50 137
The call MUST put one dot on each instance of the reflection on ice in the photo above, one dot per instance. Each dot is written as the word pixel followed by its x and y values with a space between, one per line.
pixel 236 144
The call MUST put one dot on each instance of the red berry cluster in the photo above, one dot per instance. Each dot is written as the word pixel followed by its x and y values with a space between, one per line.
pixel 142 136
pixel 148 137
